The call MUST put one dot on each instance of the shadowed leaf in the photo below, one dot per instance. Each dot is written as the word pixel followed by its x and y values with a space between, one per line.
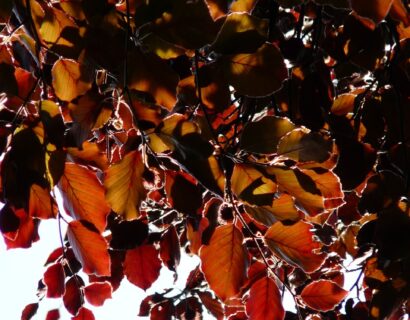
pixel 323 295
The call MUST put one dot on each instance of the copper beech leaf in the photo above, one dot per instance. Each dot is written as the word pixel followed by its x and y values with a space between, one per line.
pixel 53 314
pixel 124 186
pixel 142 266
pixel 213 305
pixel 97 292
pixel 41 204
pixel 89 247
pixel 70 79
pixel 224 261
pixel 295 245
pixel 72 298
pixel 323 295
pixel 256 74
pixel 170 250
pixel 83 195
pixel 84 314
pixel 29 311
pixel 376 10
pixel 263 136
pixel 54 279
pixel 265 301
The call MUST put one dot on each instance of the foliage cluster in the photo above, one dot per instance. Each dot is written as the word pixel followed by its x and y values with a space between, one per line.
pixel 270 138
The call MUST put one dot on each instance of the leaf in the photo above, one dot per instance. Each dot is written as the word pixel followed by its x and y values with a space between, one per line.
pixel 323 295
pixel 70 79
pixel 300 186
pixel 72 297
pixel 83 195
pixel 265 301
pixel 90 152
pixel 53 314
pixel 84 314
pixel 128 234
pixel 177 186
pixel 255 74
pixel 97 292
pixel 303 145
pixel 250 185
pixel 226 273
pixel 54 279
pixel 142 266
pixel 213 305
pixel 5 10
pixel 241 33
pixel 150 74
pixel 89 247
pixel 27 232
pixel 41 204
pixel 264 135
pixel 170 250
pixel 124 186
pixel 343 104
pixel 29 311
pixel 295 245
pixel 376 10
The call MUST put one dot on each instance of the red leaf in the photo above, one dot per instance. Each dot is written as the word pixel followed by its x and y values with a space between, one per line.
pixel 323 295
pixel 89 247
pixel 72 297
pixel 83 195
pixel 265 301
pixel 213 305
pixel 54 279
pixel 170 251
pixel 27 232
pixel 142 266
pixel 53 315
pixel 84 314
pixel 224 261
pixel 29 311
pixel 295 245
pixel 96 293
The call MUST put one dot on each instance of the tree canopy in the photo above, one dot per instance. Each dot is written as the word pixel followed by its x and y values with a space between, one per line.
pixel 268 137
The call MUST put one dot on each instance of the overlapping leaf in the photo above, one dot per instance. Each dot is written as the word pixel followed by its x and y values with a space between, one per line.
pixel 323 295
pixel 124 186
pixel 54 279
pixel 89 247
pixel 97 292
pixel 295 245
pixel 265 301
pixel 83 195
pixel 227 273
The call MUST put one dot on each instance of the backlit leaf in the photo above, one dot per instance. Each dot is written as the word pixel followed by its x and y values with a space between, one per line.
pixel 295 245
pixel 90 248
pixel 256 74
pixel 343 104
pixel 213 305
pixel 27 232
pixel 53 314
pixel 41 204
pixel 97 292
pixel 265 301
pixel 29 311
pixel 54 279
pixel 227 273
pixel 72 297
pixel 90 152
pixel 376 10
pixel 124 186
pixel 142 266
pixel 170 250
pixel 84 314
pixel 303 146
pixel 70 79
pixel 263 136
pixel 83 195
pixel 241 33
pixel 323 295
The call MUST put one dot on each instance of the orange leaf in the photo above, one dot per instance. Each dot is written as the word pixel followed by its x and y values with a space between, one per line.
pixel 41 204
pixel 89 247
pixel 213 305
pixel 83 195
pixel 124 186
pixel 295 245
pixel 90 152
pixel 70 79
pixel 224 261
pixel 54 279
pixel 142 266
pixel 265 301
pixel 194 234
pixel 96 293
pixel 323 295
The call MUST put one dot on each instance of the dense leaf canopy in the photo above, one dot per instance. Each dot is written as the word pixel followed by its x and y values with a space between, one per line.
pixel 268 137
